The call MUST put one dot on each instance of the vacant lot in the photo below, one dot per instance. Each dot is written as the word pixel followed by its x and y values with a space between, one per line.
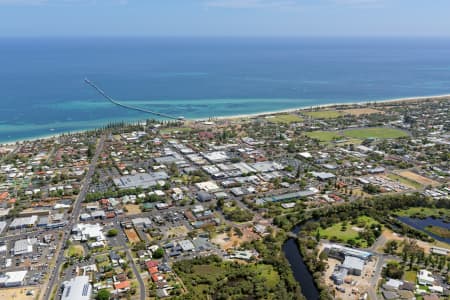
pixel 361 111
pixel 132 209
pixel 19 293
pixel 418 178
pixel 375 132
pixel 178 231
pixel 132 236
pixel 324 114
pixel 285 118
pixel 75 250
pixel 324 136
pixel 225 241
pixel 404 181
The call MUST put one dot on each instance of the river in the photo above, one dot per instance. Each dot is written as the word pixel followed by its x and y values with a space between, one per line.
pixel 299 268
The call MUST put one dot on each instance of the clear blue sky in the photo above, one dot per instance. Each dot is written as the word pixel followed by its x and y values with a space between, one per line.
pixel 225 17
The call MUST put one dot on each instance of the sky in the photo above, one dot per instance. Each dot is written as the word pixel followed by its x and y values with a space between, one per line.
pixel 39 18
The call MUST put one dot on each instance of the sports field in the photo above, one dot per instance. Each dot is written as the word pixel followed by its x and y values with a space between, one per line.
pixel 375 132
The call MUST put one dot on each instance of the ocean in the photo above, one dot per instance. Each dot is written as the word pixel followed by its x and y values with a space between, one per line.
pixel 42 89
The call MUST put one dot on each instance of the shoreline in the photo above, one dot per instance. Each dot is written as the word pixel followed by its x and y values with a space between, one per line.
pixel 262 114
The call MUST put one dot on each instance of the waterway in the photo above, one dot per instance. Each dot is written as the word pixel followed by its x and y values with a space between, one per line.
pixel 299 268
pixel 421 224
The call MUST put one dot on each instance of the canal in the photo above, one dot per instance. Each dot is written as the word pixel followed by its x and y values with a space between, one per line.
pixel 299 268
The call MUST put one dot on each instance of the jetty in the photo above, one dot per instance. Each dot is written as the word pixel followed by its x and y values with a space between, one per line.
pixel 101 92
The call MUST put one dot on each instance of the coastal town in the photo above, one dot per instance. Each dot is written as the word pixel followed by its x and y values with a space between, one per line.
pixel 357 196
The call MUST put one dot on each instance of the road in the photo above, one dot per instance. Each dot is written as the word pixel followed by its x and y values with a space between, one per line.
pixel 53 281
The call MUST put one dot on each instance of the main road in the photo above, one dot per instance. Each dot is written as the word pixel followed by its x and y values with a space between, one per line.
pixel 54 281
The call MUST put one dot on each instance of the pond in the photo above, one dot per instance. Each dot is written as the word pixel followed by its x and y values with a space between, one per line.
pixel 421 224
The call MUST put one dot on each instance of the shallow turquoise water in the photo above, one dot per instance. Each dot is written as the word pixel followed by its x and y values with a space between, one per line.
pixel 42 90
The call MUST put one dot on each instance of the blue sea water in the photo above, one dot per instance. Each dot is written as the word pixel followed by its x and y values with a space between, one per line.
pixel 42 90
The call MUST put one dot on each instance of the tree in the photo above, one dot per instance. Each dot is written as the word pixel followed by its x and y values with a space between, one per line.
pixel 103 294
pixel 112 232
pixel 158 253
pixel 394 270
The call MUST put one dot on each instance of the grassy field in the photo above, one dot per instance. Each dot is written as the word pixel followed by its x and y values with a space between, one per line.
pixel 357 134
pixel 375 132
pixel 268 274
pixel 324 114
pixel 424 212
pixel 175 129
pixel 75 251
pixel 324 136
pixel 405 181
pixel 410 276
pixel 348 232
pixel 285 118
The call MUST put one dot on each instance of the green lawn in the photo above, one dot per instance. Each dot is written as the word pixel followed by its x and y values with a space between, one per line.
pixel 410 276
pixel 336 231
pixel 324 114
pixel 375 132
pixel 285 118
pixel 406 181
pixel 324 136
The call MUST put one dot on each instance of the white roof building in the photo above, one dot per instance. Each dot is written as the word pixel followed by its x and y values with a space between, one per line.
pixel 77 288
pixel 84 232
pixel 207 186
pixel 24 246
pixel 425 277
pixel 10 279
pixel 186 245
pixel 138 222
pixel 23 222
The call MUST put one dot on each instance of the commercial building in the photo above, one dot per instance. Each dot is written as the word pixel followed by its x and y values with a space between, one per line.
pixel 23 222
pixel 84 232
pixel 24 246
pixel 77 288
pixel 141 222
pixel 2 226
pixel 354 265
pixel 140 180
pixel 11 279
